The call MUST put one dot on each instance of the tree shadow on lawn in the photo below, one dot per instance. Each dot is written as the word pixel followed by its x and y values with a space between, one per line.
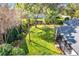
pixel 24 46
pixel 47 34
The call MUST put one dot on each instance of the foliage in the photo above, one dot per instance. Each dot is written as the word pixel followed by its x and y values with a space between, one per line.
pixel 50 10
pixel 13 34
pixel 24 25
pixel 59 20
pixel 70 9
pixel 8 18
pixel 17 51
pixel 77 12
pixel 5 49
pixel 67 18
pixel 8 49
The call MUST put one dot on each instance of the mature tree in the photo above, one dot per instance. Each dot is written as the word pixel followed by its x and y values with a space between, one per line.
pixel 70 9
pixel 50 10
pixel 8 19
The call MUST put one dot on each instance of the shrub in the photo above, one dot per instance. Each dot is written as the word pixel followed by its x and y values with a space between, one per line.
pixel 17 51
pixel 67 18
pixel 24 25
pixel 15 33
pixel 12 35
pixel 5 49
pixel 8 49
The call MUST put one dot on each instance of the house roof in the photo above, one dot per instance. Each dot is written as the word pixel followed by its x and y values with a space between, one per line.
pixel 73 22
pixel 71 35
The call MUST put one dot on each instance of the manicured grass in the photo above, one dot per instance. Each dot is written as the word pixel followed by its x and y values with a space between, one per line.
pixel 42 41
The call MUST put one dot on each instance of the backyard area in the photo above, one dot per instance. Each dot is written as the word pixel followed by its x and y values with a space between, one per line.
pixel 32 29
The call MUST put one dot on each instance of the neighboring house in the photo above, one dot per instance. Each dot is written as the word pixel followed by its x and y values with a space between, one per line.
pixel 68 37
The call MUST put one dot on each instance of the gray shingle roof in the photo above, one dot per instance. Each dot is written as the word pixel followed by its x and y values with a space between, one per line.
pixel 66 32
pixel 73 22
pixel 71 34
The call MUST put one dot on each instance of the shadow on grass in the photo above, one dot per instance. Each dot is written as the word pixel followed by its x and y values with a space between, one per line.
pixel 47 34
pixel 24 46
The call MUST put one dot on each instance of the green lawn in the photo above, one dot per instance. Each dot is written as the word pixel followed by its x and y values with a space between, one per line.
pixel 42 41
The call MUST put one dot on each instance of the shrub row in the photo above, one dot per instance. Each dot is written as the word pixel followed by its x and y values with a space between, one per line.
pixel 8 49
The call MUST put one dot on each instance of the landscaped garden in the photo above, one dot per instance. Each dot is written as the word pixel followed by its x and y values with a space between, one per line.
pixel 30 29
